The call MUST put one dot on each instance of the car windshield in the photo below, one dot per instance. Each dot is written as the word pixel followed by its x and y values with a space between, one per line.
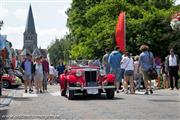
pixel 83 63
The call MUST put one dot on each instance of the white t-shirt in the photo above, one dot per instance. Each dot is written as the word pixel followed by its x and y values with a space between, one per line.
pixel 136 63
pixel 172 61
pixel 39 69
pixel 51 70
pixel 122 63
pixel 128 62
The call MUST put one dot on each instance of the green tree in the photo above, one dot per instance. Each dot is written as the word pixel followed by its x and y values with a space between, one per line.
pixel 92 27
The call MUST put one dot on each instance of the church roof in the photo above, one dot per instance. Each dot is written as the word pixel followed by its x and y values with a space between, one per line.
pixel 36 53
pixel 30 27
pixel 25 51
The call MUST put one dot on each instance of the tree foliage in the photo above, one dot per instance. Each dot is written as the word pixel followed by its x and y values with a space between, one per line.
pixel 92 26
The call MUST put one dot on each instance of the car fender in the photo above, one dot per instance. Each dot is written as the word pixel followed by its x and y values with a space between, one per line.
pixel 62 81
pixel 71 79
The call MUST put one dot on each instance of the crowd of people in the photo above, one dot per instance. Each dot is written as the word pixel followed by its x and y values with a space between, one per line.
pixel 132 70
pixel 39 73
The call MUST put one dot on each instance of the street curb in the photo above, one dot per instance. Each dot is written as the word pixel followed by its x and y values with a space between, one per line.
pixel 6 100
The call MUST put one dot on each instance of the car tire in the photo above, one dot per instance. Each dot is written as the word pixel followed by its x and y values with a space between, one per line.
pixel 110 93
pixel 71 95
pixel 63 93
pixel 6 84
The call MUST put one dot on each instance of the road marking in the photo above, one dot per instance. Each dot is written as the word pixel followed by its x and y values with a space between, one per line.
pixel 30 95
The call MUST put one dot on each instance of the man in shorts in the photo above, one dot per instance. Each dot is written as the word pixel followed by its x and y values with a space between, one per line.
pixel 115 66
pixel 146 62
pixel 27 66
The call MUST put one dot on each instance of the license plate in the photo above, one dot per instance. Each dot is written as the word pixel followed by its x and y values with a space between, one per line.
pixel 92 91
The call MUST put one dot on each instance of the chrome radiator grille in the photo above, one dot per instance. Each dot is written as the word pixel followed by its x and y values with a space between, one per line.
pixel 90 77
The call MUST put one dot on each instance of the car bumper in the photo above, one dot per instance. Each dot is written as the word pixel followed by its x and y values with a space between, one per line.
pixel 96 87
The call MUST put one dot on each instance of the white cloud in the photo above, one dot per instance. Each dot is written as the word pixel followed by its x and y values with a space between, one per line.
pixel 20 14
pixel 62 12
pixel 5 13
pixel 177 2
pixel 14 35
pixel 46 36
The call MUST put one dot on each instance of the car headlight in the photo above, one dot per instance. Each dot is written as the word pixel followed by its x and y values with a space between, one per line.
pixel 78 73
pixel 102 72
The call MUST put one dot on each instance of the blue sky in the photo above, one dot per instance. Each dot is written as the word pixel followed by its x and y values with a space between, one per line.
pixel 49 16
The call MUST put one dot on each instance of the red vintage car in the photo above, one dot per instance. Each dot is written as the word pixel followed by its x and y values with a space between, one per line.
pixel 10 81
pixel 83 77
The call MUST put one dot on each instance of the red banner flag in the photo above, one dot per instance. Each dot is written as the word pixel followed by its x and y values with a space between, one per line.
pixel 120 32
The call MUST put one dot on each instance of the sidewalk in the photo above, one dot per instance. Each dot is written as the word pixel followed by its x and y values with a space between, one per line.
pixel 6 97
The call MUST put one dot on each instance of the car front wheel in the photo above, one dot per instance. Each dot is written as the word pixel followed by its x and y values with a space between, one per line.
pixel 69 93
pixel 63 92
pixel 110 93
pixel 6 84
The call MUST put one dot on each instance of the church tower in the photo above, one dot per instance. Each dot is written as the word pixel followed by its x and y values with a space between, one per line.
pixel 30 35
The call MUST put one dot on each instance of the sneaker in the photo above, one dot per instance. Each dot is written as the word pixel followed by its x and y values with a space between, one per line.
pixel 151 91
pixel 146 93
pixel 25 91
pixel 172 88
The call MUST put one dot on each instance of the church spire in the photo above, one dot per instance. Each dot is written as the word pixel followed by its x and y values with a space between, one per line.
pixel 30 35
pixel 30 27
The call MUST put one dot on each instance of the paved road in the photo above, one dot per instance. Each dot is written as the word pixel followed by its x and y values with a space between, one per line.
pixel 162 105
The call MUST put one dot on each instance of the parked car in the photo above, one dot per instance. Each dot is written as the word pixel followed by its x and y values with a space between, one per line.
pixel 10 81
pixel 82 77
pixel 19 75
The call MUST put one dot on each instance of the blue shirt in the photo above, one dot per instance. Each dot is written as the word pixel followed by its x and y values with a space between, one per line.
pixel 60 69
pixel 146 60
pixel 28 67
pixel 115 60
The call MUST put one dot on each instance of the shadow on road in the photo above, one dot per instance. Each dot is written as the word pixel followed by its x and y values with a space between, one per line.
pixel 22 99
pixel 163 100
pixel 94 97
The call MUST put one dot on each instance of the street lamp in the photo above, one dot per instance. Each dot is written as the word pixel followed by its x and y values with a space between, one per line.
pixel 1 24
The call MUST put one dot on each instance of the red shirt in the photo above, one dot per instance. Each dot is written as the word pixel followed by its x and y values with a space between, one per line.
pixel 46 65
